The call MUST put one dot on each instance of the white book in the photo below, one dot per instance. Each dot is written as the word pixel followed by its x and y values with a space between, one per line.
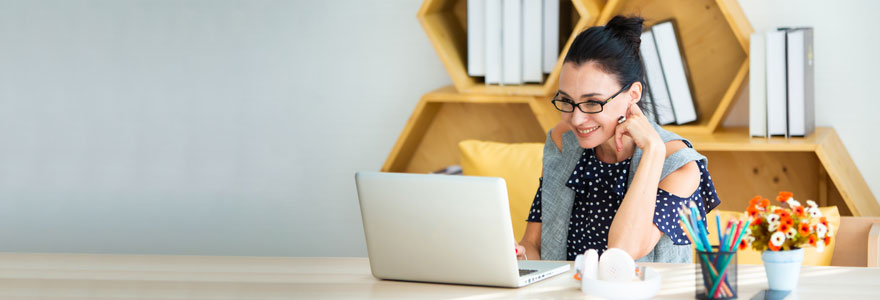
pixel 757 86
pixel 551 34
pixel 476 47
pixel 656 80
pixel 777 95
pixel 801 114
pixel 511 39
pixel 494 66
pixel 532 70
pixel 674 71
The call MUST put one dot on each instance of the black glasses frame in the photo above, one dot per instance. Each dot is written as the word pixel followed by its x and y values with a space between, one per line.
pixel 557 102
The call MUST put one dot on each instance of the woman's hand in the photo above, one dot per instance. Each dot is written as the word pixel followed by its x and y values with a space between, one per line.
pixel 639 129
pixel 520 252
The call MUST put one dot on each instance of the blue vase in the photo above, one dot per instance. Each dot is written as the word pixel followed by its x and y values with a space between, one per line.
pixel 783 268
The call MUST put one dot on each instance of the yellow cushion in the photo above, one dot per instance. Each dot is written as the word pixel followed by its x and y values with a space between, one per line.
pixel 520 166
pixel 750 256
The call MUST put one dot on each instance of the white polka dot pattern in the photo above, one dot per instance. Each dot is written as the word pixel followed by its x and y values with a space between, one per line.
pixel 599 189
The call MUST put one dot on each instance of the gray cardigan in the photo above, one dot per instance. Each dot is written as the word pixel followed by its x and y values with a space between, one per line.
pixel 558 199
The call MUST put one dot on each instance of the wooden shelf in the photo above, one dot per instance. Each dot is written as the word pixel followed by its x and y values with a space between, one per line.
pixel 445 23
pixel 816 167
pixel 444 117
pixel 714 35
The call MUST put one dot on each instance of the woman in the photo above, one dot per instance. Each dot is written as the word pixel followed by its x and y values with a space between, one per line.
pixel 612 178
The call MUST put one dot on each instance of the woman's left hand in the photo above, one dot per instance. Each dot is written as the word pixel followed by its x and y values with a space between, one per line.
pixel 638 128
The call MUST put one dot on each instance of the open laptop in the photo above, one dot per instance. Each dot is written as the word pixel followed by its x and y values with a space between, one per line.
pixel 443 228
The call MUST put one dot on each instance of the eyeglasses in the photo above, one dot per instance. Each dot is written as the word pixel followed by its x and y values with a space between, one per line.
pixel 588 107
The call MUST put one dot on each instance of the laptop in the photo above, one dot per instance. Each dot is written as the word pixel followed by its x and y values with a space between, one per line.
pixel 443 228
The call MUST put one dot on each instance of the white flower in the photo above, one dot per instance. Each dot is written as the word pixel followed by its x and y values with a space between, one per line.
pixel 771 226
pixel 814 212
pixel 821 230
pixel 811 203
pixel 777 239
pixel 793 203
pixel 749 239
pixel 820 246
pixel 790 233
pixel 772 218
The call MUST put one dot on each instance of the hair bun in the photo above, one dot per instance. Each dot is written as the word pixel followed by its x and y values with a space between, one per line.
pixel 627 30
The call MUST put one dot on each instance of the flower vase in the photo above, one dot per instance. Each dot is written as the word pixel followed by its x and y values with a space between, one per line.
pixel 783 268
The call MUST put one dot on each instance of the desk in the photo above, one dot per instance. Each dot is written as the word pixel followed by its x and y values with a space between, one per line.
pixel 91 276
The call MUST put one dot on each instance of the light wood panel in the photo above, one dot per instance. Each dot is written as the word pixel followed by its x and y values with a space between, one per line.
pixel 741 175
pixel 443 118
pixel 445 23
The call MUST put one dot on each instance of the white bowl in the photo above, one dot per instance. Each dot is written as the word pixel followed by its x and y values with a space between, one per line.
pixel 623 290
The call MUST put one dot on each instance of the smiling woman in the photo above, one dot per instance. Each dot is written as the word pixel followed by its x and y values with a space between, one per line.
pixel 611 175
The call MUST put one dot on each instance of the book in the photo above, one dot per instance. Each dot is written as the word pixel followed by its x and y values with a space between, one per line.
pixel 532 14
pixel 493 42
pixel 656 81
pixel 476 43
pixel 511 38
pixel 675 72
pixel 799 60
pixel 757 86
pixel 777 94
pixel 550 35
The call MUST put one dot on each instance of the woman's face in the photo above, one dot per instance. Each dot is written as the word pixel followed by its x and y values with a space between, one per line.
pixel 579 83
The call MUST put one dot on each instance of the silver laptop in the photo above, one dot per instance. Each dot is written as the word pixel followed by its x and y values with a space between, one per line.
pixel 443 228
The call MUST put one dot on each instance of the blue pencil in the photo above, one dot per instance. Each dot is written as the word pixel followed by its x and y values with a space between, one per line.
pixel 718 227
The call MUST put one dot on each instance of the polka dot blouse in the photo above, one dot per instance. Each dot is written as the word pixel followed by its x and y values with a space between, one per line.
pixel 599 188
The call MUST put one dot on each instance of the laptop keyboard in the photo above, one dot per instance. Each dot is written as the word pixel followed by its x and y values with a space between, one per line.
pixel 526 272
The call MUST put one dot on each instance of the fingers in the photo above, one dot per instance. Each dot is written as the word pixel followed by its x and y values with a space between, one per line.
pixel 619 131
pixel 634 110
pixel 520 252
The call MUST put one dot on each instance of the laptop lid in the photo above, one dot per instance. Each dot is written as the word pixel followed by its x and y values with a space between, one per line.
pixel 438 228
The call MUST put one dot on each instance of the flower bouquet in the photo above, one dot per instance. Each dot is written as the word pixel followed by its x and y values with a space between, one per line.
pixel 781 233
pixel 789 227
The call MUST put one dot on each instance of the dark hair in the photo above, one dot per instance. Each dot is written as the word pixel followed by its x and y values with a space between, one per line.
pixel 615 48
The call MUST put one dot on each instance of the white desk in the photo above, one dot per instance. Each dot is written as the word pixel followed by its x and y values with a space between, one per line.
pixel 86 276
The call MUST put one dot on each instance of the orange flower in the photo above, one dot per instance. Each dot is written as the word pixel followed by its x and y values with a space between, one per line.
pixel 765 203
pixel 783 227
pixel 786 220
pixel 773 247
pixel 743 244
pixel 752 211
pixel 804 229
pixel 823 221
pixel 783 196
pixel 756 221
pixel 783 214
pixel 812 240
pixel 799 211
pixel 754 201
pixel 827 240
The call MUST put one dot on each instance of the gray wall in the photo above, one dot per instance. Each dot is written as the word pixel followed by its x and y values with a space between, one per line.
pixel 234 127
pixel 200 127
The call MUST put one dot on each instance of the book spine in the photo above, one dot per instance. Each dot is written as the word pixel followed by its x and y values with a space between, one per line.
pixel 476 27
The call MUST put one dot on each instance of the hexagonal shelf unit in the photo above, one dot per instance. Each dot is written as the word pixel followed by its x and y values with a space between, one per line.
pixel 443 118
pixel 714 39
pixel 445 23
pixel 816 167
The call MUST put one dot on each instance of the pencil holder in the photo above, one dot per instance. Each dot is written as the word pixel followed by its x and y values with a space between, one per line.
pixel 716 274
